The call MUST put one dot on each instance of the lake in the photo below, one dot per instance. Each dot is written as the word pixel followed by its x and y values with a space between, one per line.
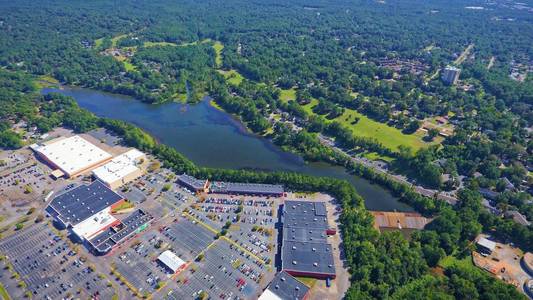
pixel 213 138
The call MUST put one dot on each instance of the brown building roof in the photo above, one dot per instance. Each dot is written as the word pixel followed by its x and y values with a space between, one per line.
pixel 383 219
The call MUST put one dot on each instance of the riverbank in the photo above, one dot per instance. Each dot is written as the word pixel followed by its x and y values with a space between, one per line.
pixel 213 138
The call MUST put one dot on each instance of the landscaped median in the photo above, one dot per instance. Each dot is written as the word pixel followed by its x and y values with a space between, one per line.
pixel 3 293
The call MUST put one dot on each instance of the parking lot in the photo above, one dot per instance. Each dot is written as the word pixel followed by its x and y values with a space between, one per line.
pixel 223 273
pixel 23 180
pixel 187 239
pixel 158 185
pixel 139 267
pixel 49 268
pixel 228 242
pixel 253 221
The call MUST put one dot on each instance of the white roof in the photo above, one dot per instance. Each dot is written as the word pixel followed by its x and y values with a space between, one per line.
pixel 93 225
pixel 486 243
pixel 72 154
pixel 119 167
pixel 171 260
pixel 269 295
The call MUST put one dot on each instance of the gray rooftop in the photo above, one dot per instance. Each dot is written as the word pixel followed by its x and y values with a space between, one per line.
pixel 299 208
pixel 307 257
pixel 246 188
pixel 80 203
pixel 305 214
pixel 287 287
pixel 301 234
pixel 315 222
pixel 192 182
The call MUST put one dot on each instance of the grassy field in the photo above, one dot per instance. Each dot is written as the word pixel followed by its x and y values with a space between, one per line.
pixel 153 44
pixel 232 76
pixel 98 42
pixel 389 136
pixel 449 261
pixel 287 95
pixel 218 46
pixel 44 81
pixel 129 66
pixel 115 39
pixel 376 156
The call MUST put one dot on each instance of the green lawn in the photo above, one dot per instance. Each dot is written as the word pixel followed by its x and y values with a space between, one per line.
pixel 376 156
pixel 129 66
pixel 153 44
pixel 287 95
pixel 449 261
pixel 115 39
pixel 389 136
pixel 232 76
pixel 46 81
pixel 98 42
pixel 218 46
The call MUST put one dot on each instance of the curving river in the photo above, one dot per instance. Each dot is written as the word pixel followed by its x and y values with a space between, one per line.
pixel 213 138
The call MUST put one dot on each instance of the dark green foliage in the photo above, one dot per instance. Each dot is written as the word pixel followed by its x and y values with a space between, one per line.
pixel 325 49
pixel 10 140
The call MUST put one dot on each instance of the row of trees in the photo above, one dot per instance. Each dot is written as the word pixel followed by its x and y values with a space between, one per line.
pixel 382 265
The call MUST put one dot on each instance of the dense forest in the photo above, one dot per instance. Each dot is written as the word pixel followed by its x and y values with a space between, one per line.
pixel 380 59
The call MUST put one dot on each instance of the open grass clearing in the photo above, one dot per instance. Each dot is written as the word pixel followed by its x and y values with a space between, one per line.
pixel 389 136
pixel 98 42
pixel 287 95
pixel 44 81
pixel 376 156
pixel 154 44
pixel 129 66
pixel 218 46
pixel 450 260
pixel 232 76
pixel 115 39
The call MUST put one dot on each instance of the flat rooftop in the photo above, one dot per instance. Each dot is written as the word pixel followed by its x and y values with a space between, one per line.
pixel 192 182
pixel 284 286
pixel 171 260
pixel 305 222
pixel 383 219
pixel 104 241
pixel 82 202
pixel 307 257
pixel 119 167
pixel 305 214
pixel 486 243
pixel 94 224
pixel 72 155
pixel 246 188
pixel 305 208
pixel 302 234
